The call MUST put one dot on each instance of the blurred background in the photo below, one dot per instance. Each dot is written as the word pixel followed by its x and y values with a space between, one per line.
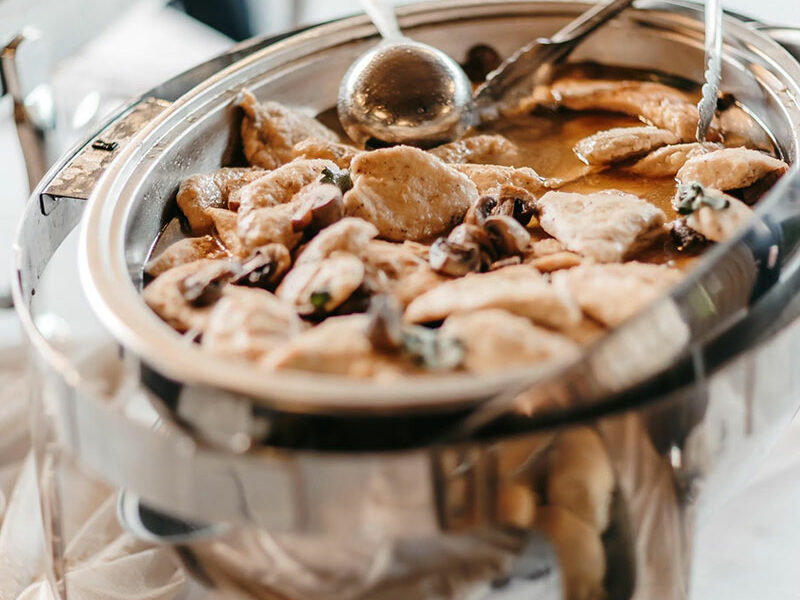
pixel 86 57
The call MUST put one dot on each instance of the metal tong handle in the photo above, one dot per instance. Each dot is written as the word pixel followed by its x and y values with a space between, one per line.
pixel 707 106
pixel 589 21
pixel 544 51
pixel 383 17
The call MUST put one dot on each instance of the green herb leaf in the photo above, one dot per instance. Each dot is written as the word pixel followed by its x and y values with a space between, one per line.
pixel 431 349
pixel 320 299
pixel 693 195
pixel 339 177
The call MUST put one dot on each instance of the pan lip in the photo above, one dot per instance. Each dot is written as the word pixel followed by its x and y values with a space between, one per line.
pixel 119 306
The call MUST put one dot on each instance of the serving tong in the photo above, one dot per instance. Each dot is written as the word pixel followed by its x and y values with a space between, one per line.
pixel 708 103
pixel 533 64
pixel 538 58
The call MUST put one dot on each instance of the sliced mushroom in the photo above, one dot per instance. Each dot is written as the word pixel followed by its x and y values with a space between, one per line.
pixel 468 248
pixel 204 287
pixel 265 267
pixel 428 348
pixel 511 201
pixel 684 236
pixel 453 258
pixel 507 235
pixel 165 294
pixel 515 202
pixel 480 210
pixel 320 205
pixel 385 328
pixel 472 234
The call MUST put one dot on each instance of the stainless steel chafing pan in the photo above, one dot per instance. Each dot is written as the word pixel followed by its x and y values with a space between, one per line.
pixel 196 134
pixel 683 397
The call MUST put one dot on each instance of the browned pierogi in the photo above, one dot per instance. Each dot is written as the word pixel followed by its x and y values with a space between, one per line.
pixel 516 245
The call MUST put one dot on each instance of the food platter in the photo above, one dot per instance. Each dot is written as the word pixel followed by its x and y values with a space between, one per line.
pixel 693 399
pixel 205 118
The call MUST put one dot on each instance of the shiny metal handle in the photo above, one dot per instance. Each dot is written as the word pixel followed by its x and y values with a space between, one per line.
pixel 528 61
pixel 25 80
pixel 78 177
pixel 707 106
pixel 382 15
pixel 75 176
pixel 589 21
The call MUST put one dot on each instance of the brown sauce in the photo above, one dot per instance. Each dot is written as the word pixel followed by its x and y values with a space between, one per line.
pixel 546 140
pixel 543 140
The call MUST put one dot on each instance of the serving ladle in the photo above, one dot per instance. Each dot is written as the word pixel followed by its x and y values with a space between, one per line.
pixel 406 92
pixel 403 91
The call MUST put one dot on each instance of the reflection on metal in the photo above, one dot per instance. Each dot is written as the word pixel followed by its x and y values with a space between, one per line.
pixel 436 516
pixel 21 70
pixel 533 64
pixel 78 178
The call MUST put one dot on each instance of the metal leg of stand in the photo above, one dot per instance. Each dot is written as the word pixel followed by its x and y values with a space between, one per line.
pixel 24 76
pixel 22 68
pixel 48 462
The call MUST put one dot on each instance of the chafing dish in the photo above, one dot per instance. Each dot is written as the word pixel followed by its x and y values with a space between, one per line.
pixel 245 473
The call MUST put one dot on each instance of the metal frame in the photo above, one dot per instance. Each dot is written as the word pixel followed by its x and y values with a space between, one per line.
pixel 282 489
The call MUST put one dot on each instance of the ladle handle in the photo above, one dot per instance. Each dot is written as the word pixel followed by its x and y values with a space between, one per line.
pixel 382 15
